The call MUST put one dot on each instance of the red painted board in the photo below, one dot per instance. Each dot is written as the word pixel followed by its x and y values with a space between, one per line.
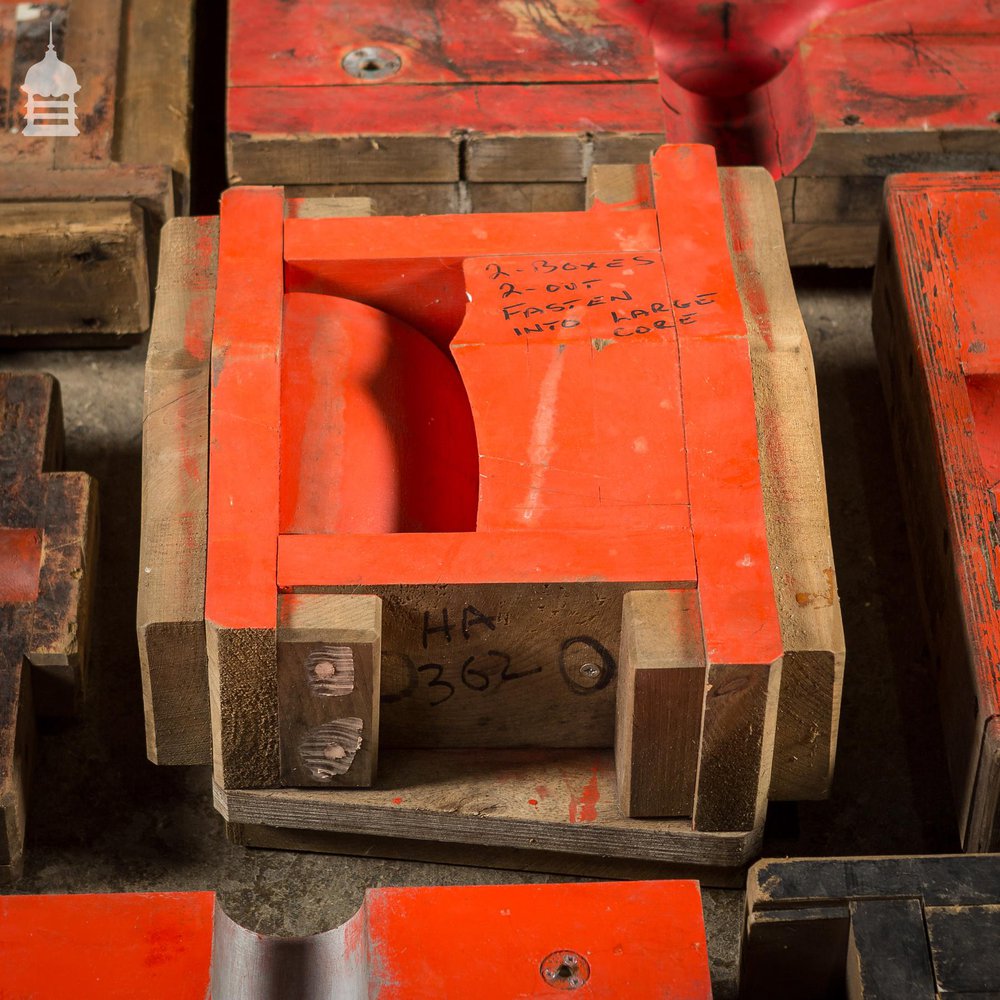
pixel 141 946
pixel 302 43
pixel 244 421
pixel 539 109
pixel 739 615
pixel 893 80
pixel 640 940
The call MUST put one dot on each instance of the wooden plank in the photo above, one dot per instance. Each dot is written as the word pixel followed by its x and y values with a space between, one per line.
pixel 329 661
pixel 103 284
pixel 92 49
pixel 561 862
pixel 512 159
pixel 554 801
pixel 853 200
pixel 390 199
pixel 156 87
pixel 835 244
pixel 887 953
pixel 457 41
pixel 170 617
pixel 325 134
pixel 739 616
pixel 526 197
pixel 956 935
pixel 17 740
pixel 793 481
pixel 240 600
pixel 660 701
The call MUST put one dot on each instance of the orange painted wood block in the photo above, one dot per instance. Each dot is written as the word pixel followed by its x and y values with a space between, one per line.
pixel 935 325
pixel 441 453
pixel 405 944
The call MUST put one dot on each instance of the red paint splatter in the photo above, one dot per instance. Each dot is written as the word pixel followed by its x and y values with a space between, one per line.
pixel 532 802
pixel 397 801
pixel 584 808
pixel 542 791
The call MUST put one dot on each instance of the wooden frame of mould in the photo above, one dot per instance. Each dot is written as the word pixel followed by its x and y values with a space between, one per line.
pixel 623 698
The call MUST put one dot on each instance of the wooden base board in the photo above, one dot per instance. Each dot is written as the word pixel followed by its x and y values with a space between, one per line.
pixel 545 811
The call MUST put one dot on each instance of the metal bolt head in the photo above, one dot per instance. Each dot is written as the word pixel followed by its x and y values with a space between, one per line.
pixel 590 670
pixel 565 970
pixel 373 62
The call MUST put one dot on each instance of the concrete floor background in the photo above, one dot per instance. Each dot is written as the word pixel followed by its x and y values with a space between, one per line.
pixel 102 818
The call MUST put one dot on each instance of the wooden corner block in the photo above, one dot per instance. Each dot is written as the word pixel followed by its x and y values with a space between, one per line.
pixel 619 185
pixel 737 745
pixel 171 603
pixel 243 696
pixel 660 699
pixel 329 663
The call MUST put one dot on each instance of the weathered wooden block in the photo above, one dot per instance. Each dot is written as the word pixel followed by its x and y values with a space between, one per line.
pixel 504 107
pixel 79 214
pixel 934 324
pixel 484 448
pixel 48 541
pixel 920 927
pixel 527 940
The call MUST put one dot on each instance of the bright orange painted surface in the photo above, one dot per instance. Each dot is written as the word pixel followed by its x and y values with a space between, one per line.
pixel 245 418
pixel 470 399
pixel 641 940
pixel 376 431
pixel 664 556
pixel 134 946
pixel 739 615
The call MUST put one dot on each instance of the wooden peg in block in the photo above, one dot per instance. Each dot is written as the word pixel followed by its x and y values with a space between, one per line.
pixel 661 694
pixel 329 662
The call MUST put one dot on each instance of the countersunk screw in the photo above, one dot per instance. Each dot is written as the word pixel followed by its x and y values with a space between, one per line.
pixel 373 62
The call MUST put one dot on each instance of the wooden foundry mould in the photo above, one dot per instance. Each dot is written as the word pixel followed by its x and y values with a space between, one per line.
pixel 80 215
pixel 494 942
pixel 503 535
pixel 457 106
pixel 912 928
pixel 48 549
pixel 935 327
